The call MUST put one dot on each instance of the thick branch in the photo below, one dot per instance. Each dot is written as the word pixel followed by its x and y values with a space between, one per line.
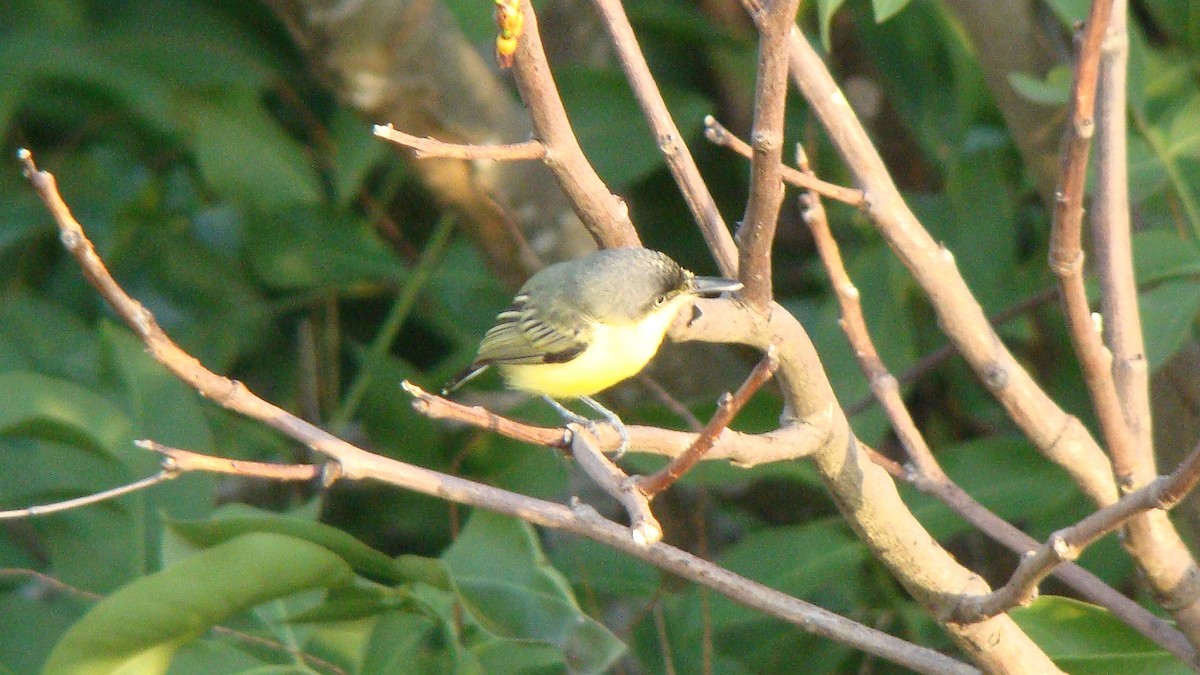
pixel 1152 539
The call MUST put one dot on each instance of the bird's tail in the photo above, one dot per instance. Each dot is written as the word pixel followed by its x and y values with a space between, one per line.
pixel 469 373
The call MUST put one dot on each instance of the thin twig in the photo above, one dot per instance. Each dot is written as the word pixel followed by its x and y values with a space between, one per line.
pixel 756 235
pixel 716 133
pixel 358 464
pixel 727 409
pixel 182 461
pixel 425 147
pixel 1065 545
pixel 43 509
pixel 670 141
pixel 1066 239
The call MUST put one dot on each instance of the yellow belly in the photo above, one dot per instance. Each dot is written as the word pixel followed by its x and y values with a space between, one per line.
pixel 614 354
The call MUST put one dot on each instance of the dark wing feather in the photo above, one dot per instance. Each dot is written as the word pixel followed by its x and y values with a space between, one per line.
pixel 525 335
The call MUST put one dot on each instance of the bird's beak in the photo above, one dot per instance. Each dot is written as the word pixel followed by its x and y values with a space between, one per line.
pixel 711 286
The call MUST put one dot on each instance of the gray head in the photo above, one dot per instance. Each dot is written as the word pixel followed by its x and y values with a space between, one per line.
pixel 621 284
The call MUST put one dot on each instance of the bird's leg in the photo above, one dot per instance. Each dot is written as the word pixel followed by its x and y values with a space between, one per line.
pixel 609 416
pixel 613 420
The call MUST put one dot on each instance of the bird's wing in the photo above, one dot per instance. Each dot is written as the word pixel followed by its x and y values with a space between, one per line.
pixel 524 335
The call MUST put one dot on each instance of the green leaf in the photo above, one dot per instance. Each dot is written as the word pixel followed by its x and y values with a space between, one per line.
pixel 611 127
pixel 140 627
pixel 822 557
pixel 1055 89
pixel 305 248
pixel 49 408
pixel 1159 255
pixel 1168 316
pixel 503 579
pixel 1083 639
pixel 231 523
pixel 886 9
pixel 244 152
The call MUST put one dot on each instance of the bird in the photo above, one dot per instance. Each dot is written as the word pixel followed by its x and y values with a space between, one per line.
pixel 581 326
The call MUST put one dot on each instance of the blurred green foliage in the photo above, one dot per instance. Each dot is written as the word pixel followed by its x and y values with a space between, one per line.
pixel 230 193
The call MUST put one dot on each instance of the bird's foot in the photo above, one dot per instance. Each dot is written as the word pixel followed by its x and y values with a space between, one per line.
pixel 616 423
pixel 609 416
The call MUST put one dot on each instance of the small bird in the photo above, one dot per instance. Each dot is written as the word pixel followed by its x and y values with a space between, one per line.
pixel 580 326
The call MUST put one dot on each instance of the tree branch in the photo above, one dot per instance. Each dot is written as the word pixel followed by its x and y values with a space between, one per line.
pixel 1152 540
pixel 727 409
pixel 66 505
pixel 718 134
pixel 669 140
pixel 756 234
pixel 1163 493
pixel 1058 436
pixel 604 214
pixel 926 474
pixel 431 147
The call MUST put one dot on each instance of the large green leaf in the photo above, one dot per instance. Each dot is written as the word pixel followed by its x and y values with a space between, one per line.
pixel 244 152
pixel 1084 639
pixel 503 579
pixel 139 628
pixel 611 127
pixel 821 558
pixel 235 521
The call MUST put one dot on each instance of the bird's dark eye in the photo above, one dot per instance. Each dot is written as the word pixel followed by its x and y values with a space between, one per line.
pixel 660 300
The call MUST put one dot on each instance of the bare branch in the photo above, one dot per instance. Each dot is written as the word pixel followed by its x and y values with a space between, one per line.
pixel 718 134
pixel 1066 238
pixel 66 505
pixel 727 409
pixel 756 234
pixel 1067 544
pixel 670 141
pixel 604 214
pixel 740 448
pixel 643 527
pixel 431 147
pixel 1164 559
pixel 926 473
pixel 1057 435
pixel 182 461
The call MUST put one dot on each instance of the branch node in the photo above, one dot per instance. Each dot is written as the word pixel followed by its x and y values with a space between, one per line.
pixel 764 141
pixel 995 376
pixel 1063 549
